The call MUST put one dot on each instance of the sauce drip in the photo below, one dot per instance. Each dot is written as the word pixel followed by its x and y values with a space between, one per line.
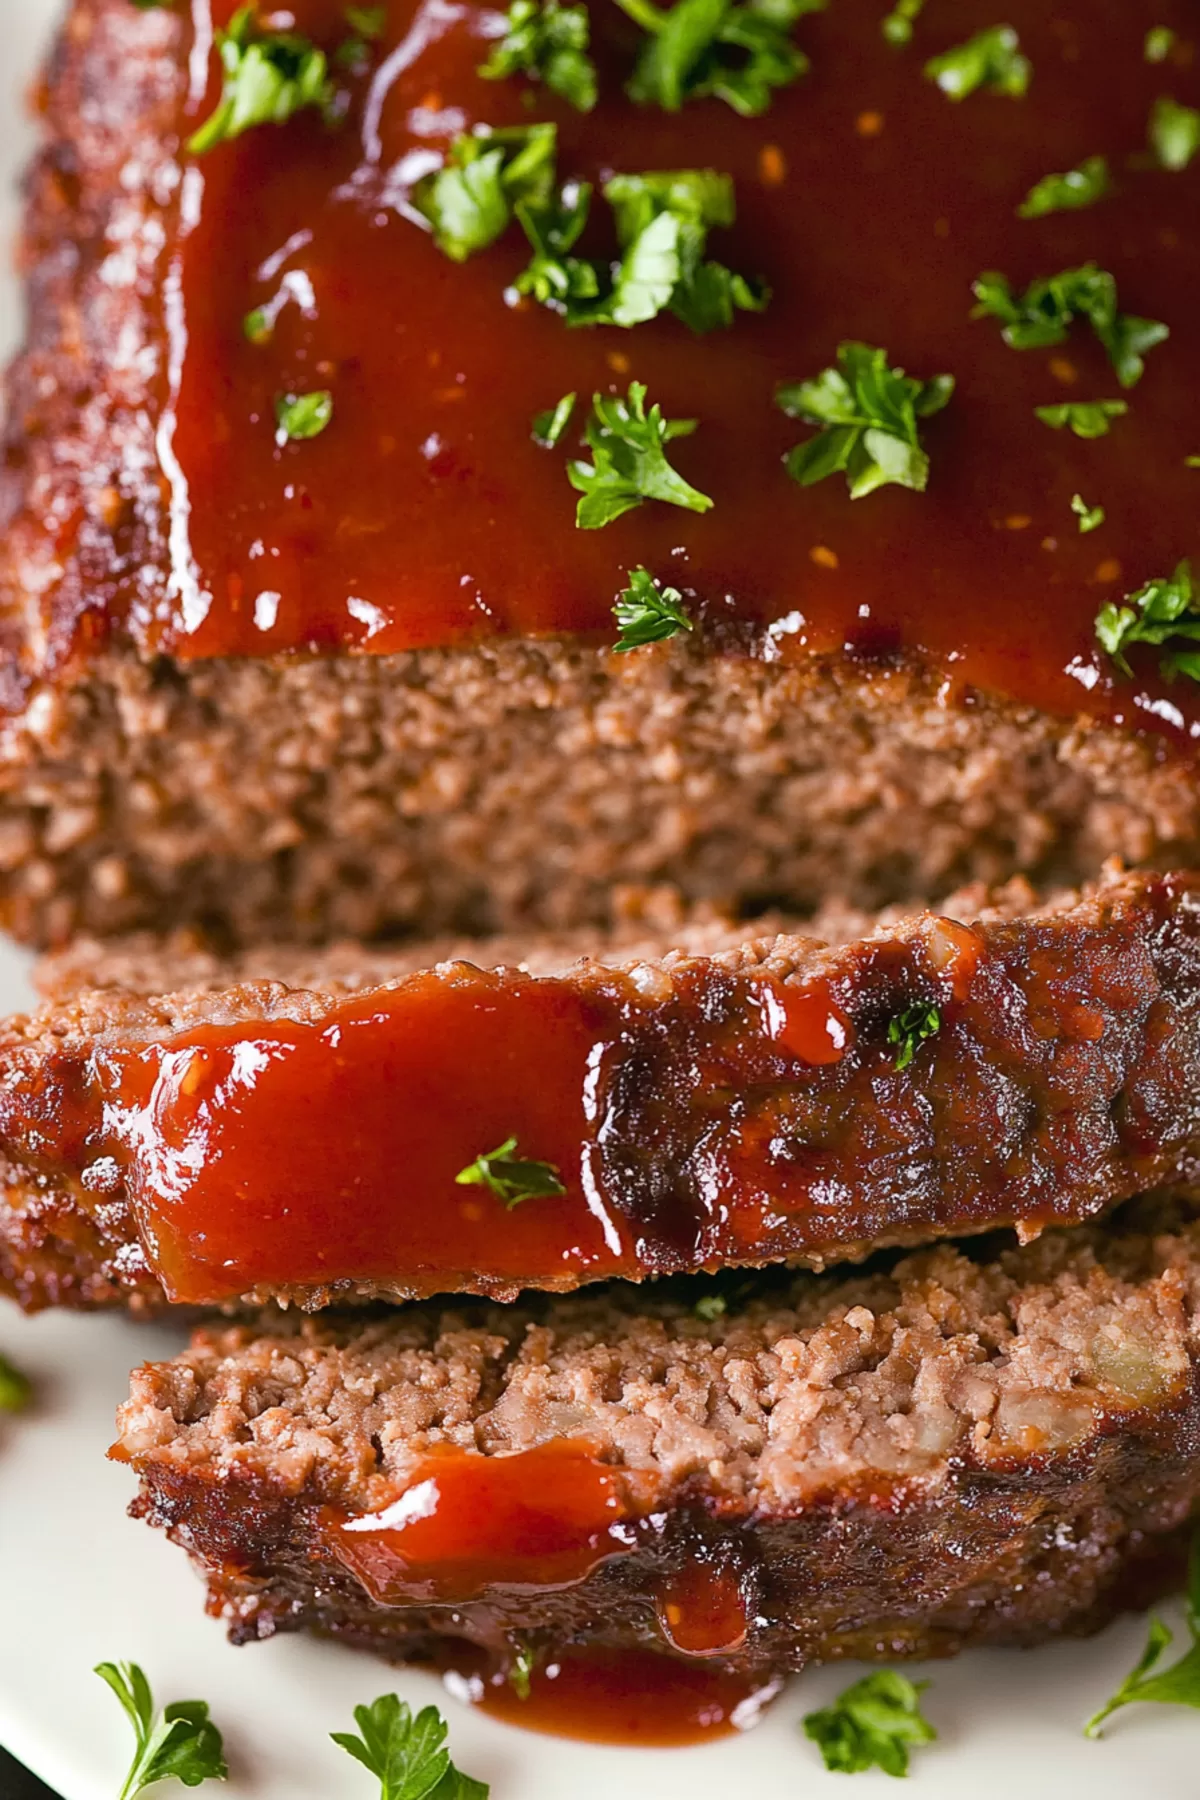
pixel 702 1609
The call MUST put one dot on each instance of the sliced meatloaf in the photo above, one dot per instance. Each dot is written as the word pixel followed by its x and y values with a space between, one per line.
pixel 719 1096
pixel 955 1450
pixel 363 681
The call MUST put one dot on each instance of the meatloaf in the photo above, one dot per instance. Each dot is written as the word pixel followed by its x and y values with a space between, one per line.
pixel 359 1129
pixel 364 681
pixel 963 1448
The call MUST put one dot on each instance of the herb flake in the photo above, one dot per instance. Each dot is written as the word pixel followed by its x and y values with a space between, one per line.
pixel 548 426
pixel 992 60
pixel 1090 517
pixel 407 1755
pixel 1161 610
pixel 547 42
pixel 511 1178
pixel 872 1724
pixel 269 76
pixel 1160 41
pixel 16 1389
pixel 1043 314
pixel 1178 1685
pixel 181 1743
pixel 299 416
pixel 628 445
pixel 868 413
pixel 911 1028
pixel 648 613
pixel 1068 192
pixel 1174 133
pixel 738 51
pixel 897 27
pixel 1086 418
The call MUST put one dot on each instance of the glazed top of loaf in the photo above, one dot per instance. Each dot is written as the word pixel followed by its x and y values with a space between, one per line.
pixel 868 199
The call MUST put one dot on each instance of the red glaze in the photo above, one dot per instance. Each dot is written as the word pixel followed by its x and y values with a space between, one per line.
pixel 425 514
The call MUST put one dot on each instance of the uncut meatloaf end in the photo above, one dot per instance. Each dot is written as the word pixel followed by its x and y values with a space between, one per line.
pixel 504 786
pixel 709 1095
pixel 954 1451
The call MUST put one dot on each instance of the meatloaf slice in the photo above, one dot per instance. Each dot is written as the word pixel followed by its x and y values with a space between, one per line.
pixel 964 1448
pixel 363 683
pixel 718 1097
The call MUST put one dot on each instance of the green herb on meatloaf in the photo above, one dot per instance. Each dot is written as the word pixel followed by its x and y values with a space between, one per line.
pixel 179 1744
pixel 1086 418
pixel 548 426
pixel 868 414
pixel 548 43
pixel 520 1669
pixel 367 24
pixel 1154 614
pixel 911 1028
pixel 1178 1685
pixel 736 50
pixel 510 1177
pixel 15 1389
pixel 407 1756
pixel 299 416
pixel 1090 517
pixel 897 27
pixel 470 200
pixel 992 59
pixel 1068 192
pixel 872 1724
pixel 1160 41
pixel 1174 133
pixel 648 613
pixel 1043 314
pixel 269 76
pixel 629 465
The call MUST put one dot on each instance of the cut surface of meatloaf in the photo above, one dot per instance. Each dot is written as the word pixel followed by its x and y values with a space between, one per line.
pixel 707 1096
pixel 966 1448
pixel 363 683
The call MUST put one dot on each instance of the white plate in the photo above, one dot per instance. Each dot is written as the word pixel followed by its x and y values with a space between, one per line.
pixel 80 1582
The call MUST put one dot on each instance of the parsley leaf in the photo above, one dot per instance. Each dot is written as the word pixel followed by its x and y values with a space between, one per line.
pixel 1160 41
pixel 269 75
pixel 510 1178
pixel 302 415
pixel 737 50
pixel 549 426
pixel 1087 418
pixel 1090 517
pixel 370 22
pixel 648 613
pixel 1164 609
pixel 710 1306
pixel 868 413
pixel 15 1388
pixel 872 1724
pixel 1066 193
pixel 181 1743
pixel 547 42
pixel 1043 314
pixel 407 1755
pixel 521 1668
pixel 1178 1685
pixel 991 59
pixel 1174 133
pixel 469 201
pixel 897 28
pixel 911 1027
pixel 628 446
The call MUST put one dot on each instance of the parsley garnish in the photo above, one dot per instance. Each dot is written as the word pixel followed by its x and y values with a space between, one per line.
pixel 1160 41
pixel 1066 193
pixel 520 1670
pixel 1090 517
pixel 368 23
pixel 710 1306
pixel 648 613
pixel 469 201
pixel 868 413
pixel 1180 1684
pixel 181 1743
pixel 302 415
pixel 511 1178
pixel 1087 418
pixel 912 1027
pixel 628 446
pixel 872 1724
pixel 546 42
pixel 991 59
pixel 1156 613
pixel 549 426
pixel 15 1388
pixel 408 1756
pixel 269 75
pixel 897 28
pixel 737 50
pixel 1043 314
pixel 1174 133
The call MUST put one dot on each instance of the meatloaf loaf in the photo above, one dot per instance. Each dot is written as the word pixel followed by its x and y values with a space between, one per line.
pixel 359 1129
pixel 900 1462
pixel 359 676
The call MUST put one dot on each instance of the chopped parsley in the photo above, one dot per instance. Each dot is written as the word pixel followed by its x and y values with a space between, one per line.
pixel 710 1306
pixel 549 426
pixel 15 1388
pixel 511 1178
pixel 1086 418
pixel 181 1743
pixel 1174 133
pixel 1178 1685
pixel 1066 193
pixel 897 28
pixel 1090 517
pixel 407 1756
pixel 1156 613
pixel 549 43
pixel 1160 41
pixel 739 51
pixel 872 1725
pixel 648 613
pixel 911 1028
pixel 1043 314
pixel 992 59
pixel 520 1670
pixel 868 414
pixel 269 75
pixel 629 465
pixel 469 201
pixel 299 416
pixel 368 24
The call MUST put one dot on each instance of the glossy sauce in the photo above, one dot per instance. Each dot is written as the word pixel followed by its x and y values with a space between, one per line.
pixel 425 514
